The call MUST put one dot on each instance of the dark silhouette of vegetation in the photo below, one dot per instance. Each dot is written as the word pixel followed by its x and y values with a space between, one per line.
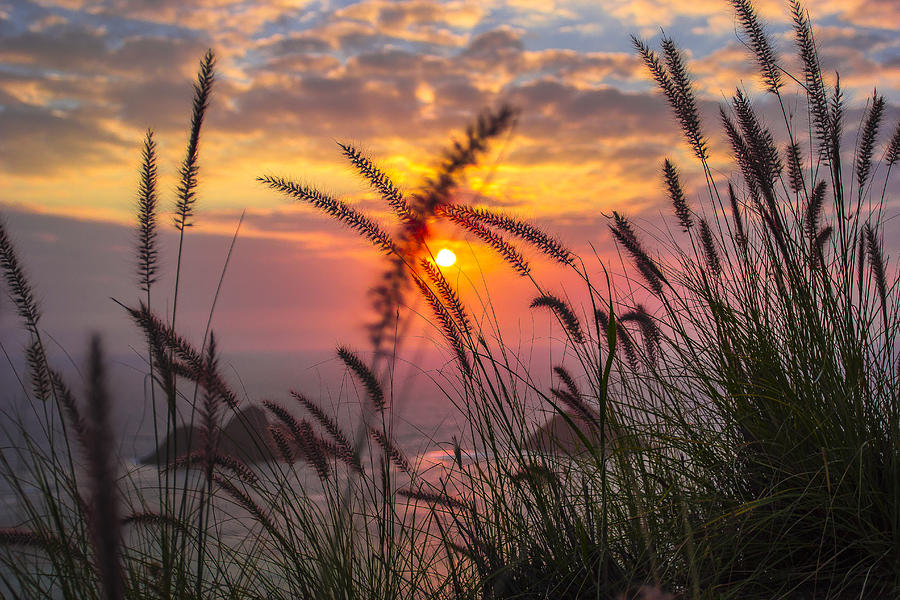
pixel 730 431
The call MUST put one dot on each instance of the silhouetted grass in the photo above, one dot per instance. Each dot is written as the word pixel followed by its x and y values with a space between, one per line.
pixel 732 433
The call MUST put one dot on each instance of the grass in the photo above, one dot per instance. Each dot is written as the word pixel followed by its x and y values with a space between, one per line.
pixel 733 409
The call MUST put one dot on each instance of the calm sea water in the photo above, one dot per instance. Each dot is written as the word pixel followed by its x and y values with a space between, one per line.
pixel 422 416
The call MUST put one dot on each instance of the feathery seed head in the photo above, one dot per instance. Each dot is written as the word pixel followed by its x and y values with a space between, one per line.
pixel 104 522
pixel 187 187
pixel 649 330
pixel 565 314
pixel 814 209
pixel 893 151
pixel 365 376
pixel 462 217
pixel 282 445
pixel 676 194
pixel 147 252
pixel 739 236
pixel 341 211
pixel 867 141
pixel 379 181
pixel 626 237
pixel 709 248
pixel 795 167
pixel 877 265
pixel 394 453
pixel 17 283
pixel 759 43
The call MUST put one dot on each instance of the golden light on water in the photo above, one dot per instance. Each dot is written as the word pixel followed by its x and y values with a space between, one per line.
pixel 445 258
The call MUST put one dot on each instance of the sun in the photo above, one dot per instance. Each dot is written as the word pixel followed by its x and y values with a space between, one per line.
pixel 445 258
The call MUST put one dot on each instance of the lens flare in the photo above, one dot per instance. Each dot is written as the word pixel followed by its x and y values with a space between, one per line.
pixel 445 258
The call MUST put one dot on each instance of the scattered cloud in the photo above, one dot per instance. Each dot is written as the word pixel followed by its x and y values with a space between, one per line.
pixel 80 80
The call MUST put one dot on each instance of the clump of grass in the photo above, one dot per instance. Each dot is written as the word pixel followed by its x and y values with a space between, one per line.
pixel 779 389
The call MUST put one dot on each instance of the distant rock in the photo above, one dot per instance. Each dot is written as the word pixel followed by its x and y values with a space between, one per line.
pixel 246 436
pixel 558 436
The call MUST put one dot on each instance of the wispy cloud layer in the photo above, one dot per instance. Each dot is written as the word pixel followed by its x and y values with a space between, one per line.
pixel 80 80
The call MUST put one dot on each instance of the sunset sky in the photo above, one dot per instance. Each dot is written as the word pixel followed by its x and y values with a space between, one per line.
pixel 81 80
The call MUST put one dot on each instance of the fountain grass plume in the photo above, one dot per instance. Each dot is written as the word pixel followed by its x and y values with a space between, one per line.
pixel 740 237
pixel 893 150
pixel 17 283
pixel 684 101
pixel 249 504
pixel 650 331
pixel 447 294
pixel 624 234
pixel 453 331
pixel 566 378
pixel 818 246
pixel 836 131
pixel 314 450
pixel 488 126
pixel 217 463
pixel 564 312
pixel 345 450
pixel 762 153
pixel 795 168
pixel 814 87
pixel 343 212
pixel 678 93
pixel 41 385
pixel 867 141
pixel 571 397
pixel 22 537
pixel 69 405
pixel 676 195
pixel 148 199
pixel 394 453
pixel 187 362
pixel 304 438
pixel 379 180
pixel 877 265
pixel 709 249
pixel 104 521
pixel 282 444
pixel 365 375
pixel 741 153
pixel 814 209
pixel 464 215
pixel 190 168
pixel 433 498
pixel 760 44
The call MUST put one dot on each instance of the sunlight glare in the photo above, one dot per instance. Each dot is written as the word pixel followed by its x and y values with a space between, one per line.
pixel 445 258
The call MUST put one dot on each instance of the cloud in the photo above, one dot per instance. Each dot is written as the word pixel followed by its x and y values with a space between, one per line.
pixel 402 78
pixel 223 18
pixel 718 17
pixel 878 14
pixel 70 93
pixel 38 141
pixel 399 16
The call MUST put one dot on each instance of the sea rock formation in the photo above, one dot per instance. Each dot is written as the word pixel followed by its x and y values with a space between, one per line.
pixel 558 436
pixel 246 437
